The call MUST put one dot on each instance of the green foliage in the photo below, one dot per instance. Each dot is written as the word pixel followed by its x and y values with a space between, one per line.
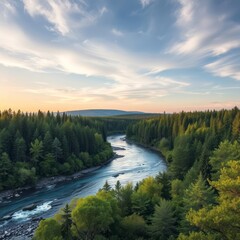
pixel 198 195
pixel 195 197
pixel 36 151
pixel 26 176
pixel 43 145
pixel 125 199
pixel 165 180
pixel 225 152
pixel 67 223
pixel 147 194
pixel 163 221
pixel 133 227
pixel 179 204
pixel 187 137
pixel 106 187
pixel 177 188
pixel 6 171
pixel 57 149
pixel 48 229
pixel 182 157
pixel 223 220
pixel 91 216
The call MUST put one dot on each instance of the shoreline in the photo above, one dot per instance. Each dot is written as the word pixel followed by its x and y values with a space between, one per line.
pixel 44 182
pixel 147 146
pixel 25 230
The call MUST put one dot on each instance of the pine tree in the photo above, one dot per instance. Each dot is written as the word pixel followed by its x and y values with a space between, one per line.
pixel 57 149
pixel 67 223
pixel 163 221
pixel 106 187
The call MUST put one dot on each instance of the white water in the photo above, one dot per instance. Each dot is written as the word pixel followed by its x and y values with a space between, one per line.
pixel 25 215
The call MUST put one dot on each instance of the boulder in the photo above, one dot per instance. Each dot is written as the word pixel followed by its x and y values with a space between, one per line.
pixel 5 218
pixel 30 207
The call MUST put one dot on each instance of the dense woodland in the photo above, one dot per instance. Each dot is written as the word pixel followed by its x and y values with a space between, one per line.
pixel 198 197
pixel 39 145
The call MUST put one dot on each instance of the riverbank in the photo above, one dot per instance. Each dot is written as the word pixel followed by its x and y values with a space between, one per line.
pixel 157 150
pixel 51 181
pixel 21 231
pixel 25 231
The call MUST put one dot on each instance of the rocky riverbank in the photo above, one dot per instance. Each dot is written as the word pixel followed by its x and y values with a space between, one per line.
pixel 51 181
pixel 23 231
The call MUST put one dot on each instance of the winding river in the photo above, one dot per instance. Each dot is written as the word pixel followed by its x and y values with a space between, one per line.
pixel 137 163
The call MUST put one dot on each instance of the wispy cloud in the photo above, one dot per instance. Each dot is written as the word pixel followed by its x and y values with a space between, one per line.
pixel 228 66
pixel 63 15
pixel 145 3
pixel 117 32
pixel 6 8
pixel 204 31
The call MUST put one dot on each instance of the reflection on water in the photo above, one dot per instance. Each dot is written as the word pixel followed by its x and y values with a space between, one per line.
pixel 137 163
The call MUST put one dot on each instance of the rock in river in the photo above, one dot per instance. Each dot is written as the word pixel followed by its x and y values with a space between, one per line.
pixel 5 218
pixel 30 207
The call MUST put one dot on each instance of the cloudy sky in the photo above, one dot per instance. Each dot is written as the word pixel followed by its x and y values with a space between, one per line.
pixel 147 55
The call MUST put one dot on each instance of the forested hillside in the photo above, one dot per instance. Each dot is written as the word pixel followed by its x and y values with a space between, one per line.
pixel 197 198
pixel 186 138
pixel 38 145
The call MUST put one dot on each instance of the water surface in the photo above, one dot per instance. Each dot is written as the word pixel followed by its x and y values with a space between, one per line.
pixel 138 163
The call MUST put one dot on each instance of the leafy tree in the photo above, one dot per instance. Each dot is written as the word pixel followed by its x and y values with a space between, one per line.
pixel 147 194
pixel 26 176
pixel 91 216
pixel 133 227
pixel 48 229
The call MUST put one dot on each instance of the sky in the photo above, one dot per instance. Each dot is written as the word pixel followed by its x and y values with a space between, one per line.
pixel 145 55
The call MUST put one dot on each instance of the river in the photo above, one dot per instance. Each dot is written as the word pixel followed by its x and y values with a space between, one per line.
pixel 137 163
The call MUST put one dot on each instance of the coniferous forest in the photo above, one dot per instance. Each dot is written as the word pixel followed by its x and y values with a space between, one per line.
pixel 197 198
pixel 39 145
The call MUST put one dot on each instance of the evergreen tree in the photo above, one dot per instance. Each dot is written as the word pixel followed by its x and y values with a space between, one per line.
pixel 67 223
pixel 163 221
pixel 36 151
pixel 56 149
pixel 106 187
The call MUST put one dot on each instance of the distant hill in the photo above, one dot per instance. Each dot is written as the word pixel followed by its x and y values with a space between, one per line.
pixel 102 112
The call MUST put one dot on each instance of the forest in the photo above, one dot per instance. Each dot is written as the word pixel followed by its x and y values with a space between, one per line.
pixel 197 198
pixel 39 145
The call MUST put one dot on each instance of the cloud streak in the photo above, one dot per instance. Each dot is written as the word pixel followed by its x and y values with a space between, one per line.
pixel 203 31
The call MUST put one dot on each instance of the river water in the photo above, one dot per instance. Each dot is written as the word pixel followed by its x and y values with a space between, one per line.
pixel 137 163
